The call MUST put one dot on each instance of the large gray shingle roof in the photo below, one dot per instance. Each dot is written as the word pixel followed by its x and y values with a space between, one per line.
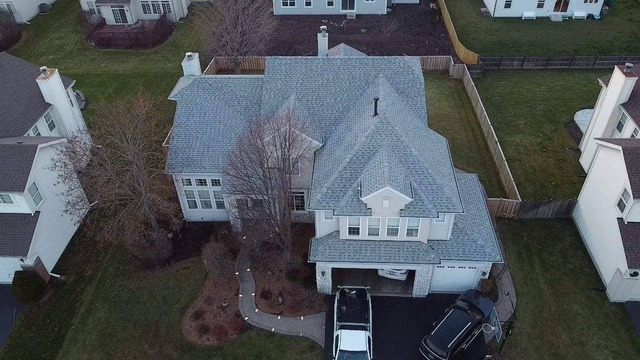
pixel 21 101
pixel 16 233
pixel 337 94
pixel 17 156
pixel 473 239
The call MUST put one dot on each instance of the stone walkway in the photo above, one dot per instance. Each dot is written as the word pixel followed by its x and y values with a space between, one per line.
pixel 506 303
pixel 311 326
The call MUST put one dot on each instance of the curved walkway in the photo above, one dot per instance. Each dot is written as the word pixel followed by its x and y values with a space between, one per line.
pixel 311 326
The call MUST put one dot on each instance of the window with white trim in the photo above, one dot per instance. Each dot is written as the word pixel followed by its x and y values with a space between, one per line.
pixel 146 7
pixel 190 195
pixel 441 218
pixel 353 226
pixel 219 198
pixel 48 118
pixel 216 182
pixel 6 199
pixel 35 131
pixel 634 134
pixel 369 1
pixel 623 202
pixel 257 203
pixel 590 1
pixel 91 5
pixel 331 3
pixel 413 227
pixel 393 227
pixel 621 122
pixel 157 9
pixel 540 4
pixel 308 3
pixel 166 7
pixel 373 226
pixel 298 201
pixel 507 4
pixel 288 3
pixel 34 192
pixel 70 100
pixel 205 199
pixel 187 182
pixel 201 182
pixel 328 215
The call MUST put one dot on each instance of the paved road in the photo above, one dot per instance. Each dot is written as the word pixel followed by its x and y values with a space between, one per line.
pixel 9 310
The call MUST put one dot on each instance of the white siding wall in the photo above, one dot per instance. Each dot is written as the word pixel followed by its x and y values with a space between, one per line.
pixel 520 6
pixel 8 266
pixel 441 230
pixel 324 227
pixel 19 206
pixel 319 7
pixel 66 112
pixel 28 9
pixel 134 11
pixel 596 213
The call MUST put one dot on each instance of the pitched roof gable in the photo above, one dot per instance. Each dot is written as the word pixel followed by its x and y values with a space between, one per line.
pixel 16 233
pixel 17 156
pixel 631 154
pixel 21 101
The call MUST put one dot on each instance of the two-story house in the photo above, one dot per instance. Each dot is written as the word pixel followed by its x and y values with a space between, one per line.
pixel 22 10
pixel 126 12
pixel 608 210
pixel 39 111
pixel 335 7
pixel 380 187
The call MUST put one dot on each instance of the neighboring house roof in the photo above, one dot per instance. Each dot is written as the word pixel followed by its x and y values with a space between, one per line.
pixel 21 101
pixel 343 50
pixel 16 233
pixel 17 156
pixel 337 94
pixel 632 106
pixel 473 238
pixel 630 233
pixel 631 155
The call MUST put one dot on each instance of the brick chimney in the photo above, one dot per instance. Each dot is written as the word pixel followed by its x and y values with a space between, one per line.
pixel 191 64
pixel 323 42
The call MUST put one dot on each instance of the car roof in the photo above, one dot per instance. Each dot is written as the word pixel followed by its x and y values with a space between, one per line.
pixel 481 301
pixel 451 331
pixel 353 340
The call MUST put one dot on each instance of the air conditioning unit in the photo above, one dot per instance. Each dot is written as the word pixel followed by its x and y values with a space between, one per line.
pixel 351 15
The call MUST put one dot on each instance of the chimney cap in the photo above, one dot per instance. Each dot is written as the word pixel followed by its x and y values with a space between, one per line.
pixel 189 55
pixel 44 69
pixel 628 67
pixel 323 28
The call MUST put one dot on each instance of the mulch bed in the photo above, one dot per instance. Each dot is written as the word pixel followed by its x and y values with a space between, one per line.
pixel 214 318
pixel 409 29
pixel 574 131
pixel 291 293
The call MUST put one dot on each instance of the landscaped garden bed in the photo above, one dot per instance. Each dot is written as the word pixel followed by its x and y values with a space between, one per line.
pixel 289 292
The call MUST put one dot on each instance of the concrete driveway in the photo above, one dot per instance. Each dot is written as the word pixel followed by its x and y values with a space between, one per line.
pixel 9 310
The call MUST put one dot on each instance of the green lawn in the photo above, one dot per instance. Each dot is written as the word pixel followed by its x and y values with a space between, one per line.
pixel 561 314
pixel 529 110
pixel 450 114
pixel 617 34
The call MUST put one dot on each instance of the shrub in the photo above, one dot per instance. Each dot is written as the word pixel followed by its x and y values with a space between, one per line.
pixel 9 32
pixel 266 294
pixel 28 287
pixel 489 288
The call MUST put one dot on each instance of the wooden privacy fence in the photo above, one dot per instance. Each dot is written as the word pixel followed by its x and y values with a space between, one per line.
pixel 518 209
pixel 467 56
pixel 226 64
pixel 554 62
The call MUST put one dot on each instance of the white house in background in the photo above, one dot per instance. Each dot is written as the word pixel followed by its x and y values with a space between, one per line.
pixel 39 111
pixel 531 9
pixel 608 210
pixel 381 187
pixel 123 12
pixel 22 10
pixel 335 7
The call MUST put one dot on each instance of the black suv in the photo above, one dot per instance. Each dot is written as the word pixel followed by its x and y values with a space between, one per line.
pixel 458 328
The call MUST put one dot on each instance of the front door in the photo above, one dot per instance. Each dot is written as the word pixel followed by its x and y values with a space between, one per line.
pixel 561 6
pixel 348 5
pixel 119 15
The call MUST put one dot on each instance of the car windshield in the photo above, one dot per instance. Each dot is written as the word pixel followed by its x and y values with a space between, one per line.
pixel 352 355
pixel 450 332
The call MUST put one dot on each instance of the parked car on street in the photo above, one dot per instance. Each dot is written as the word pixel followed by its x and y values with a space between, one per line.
pixel 460 326
pixel 352 334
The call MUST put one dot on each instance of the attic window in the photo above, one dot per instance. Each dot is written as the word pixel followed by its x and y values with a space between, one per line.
pixel 634 134
pixel 621 122
pixel 623 202
pixel 385 203
pixel 35 131
pixel 35 194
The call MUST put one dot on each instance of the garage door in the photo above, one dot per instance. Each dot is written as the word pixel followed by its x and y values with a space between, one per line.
pixel 454 278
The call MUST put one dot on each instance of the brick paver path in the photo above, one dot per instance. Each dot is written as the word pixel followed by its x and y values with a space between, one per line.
pixel 311 326
pixel 506 303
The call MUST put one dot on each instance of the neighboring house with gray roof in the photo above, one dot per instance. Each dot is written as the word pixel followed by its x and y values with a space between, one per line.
pixel 129 12
pixel 22 10
pixel 39 111
pixel 336 7
pixel 380 187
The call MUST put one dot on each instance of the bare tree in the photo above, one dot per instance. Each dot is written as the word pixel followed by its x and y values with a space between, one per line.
pixel 236 28
pixel 123 176
pixel 259 178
